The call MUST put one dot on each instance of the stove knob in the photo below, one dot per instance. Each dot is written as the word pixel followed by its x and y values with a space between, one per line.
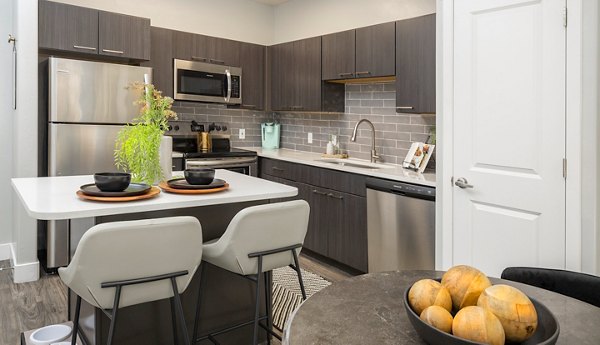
pixel 176 127
pixel 218 128
pixel 169 128
pixel 224 128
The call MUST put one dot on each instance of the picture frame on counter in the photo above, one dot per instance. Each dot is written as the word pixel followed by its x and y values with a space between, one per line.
pixel 418 156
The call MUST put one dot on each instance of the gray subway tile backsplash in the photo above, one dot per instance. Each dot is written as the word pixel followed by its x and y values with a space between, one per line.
pixel 373 101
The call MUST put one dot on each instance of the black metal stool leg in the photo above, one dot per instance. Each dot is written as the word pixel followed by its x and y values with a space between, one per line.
pixel 113 319
pixel 268 304
pixel 174 321
pixel 297 264
pixel 197 317
pixel 257 302
pixel 179 308
pixel 76 321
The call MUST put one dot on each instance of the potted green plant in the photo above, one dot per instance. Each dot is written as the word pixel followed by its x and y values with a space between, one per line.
pixel 138 144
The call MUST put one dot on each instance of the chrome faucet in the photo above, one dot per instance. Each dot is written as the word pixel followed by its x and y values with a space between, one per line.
pixel 374 156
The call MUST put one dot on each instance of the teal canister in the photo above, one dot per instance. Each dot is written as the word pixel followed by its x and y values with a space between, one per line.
pixel 270 135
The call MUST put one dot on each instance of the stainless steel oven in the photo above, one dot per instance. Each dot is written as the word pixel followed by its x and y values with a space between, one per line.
pixel 242 165
pixel 205 82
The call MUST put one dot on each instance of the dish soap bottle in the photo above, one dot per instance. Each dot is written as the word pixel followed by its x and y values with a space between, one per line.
pixel 330 149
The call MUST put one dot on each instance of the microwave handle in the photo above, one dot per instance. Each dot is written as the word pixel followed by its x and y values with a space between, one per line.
pixel 228 86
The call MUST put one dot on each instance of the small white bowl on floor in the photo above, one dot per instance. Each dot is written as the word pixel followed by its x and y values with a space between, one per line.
pixel 50 334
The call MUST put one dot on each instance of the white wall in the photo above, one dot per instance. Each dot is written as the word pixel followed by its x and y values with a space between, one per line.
pixel 241 20
pixel 25 136
pixel 298 19
pixel 249 21
pixel 7 114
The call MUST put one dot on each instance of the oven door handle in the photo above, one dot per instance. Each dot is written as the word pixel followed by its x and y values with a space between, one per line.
pixel 228 85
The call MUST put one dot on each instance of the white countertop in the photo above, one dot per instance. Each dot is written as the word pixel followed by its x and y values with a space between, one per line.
pixel 52 198
pixel 386 171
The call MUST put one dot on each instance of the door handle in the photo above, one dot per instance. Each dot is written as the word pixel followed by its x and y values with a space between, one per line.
pixel 331 195
pixel 113 51
pixel 463 183
pixel 318 192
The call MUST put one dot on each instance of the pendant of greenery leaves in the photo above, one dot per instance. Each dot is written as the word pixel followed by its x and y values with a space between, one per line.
pixel 138 143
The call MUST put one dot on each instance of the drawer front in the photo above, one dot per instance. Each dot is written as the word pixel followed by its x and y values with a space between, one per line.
pixel 342 181
pixel 320 177
pixel 287 170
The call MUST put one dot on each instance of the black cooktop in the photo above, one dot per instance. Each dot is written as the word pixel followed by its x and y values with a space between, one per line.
pixel 217 153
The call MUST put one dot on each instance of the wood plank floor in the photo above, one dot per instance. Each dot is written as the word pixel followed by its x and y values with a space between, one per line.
pixel 29 305
pixel 32 305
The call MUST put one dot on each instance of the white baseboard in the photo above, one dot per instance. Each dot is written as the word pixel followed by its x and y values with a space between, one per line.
pixel 25 272
pixel 5 251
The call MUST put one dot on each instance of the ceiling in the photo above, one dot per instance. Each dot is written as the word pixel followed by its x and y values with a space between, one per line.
pixel 272 2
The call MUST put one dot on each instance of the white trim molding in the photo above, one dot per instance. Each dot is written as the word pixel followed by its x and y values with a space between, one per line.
pixel 445 137
pixel 23 272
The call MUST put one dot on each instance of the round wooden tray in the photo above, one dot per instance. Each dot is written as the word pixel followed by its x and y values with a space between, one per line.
pixel 154 191
pixel 168 189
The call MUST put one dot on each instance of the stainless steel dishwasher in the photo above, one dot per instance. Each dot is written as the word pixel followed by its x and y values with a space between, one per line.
pixel 401 226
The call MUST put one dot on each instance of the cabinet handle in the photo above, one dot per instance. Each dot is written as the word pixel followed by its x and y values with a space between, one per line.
pixel 317 192
pixel 404 108
pixel 349 74
pixel 363 72
pixel 277 169
pixel 84 47
pixel 220 62
pixel 296 107
pixel 252 106
pixel 199 58
pixel 113 51
pixel 339 197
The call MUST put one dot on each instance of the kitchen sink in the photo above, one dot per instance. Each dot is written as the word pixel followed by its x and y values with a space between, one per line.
pixel 353 164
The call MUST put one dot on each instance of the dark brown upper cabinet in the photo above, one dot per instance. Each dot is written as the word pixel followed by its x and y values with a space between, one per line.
pixel 202 48
pixel 68 28
pixel 71 28
pixel 253 75
pixel 223 51
pixel 362 53
pixel 415 65
pixel 375 51
pixel 296 75
pixel 161 60
pixel 338 57
pixel 183 45
pixel 123 35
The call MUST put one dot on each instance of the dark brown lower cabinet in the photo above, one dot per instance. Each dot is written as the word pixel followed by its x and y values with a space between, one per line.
pixel 337 226
pixel 347 218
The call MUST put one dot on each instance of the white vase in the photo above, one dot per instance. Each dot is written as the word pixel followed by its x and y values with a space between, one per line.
pixel 165 155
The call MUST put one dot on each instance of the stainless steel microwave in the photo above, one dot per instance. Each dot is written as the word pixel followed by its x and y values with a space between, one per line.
pixel 206 82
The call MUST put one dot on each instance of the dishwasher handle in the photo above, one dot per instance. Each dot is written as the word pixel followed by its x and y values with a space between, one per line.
pixel 402 189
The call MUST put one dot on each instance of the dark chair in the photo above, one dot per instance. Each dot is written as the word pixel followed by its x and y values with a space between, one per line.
pixel 584 287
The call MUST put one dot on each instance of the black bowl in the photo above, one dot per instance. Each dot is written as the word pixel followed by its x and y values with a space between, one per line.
pixel 112 181
pixel 545 334
pixel 199 176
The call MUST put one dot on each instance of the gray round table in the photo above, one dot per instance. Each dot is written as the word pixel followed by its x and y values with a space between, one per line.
pixel 369 309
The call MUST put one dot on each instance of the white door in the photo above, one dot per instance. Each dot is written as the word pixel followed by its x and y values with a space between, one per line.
pixel 509 134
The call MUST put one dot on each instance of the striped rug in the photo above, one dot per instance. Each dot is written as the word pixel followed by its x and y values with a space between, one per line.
pixel 286 292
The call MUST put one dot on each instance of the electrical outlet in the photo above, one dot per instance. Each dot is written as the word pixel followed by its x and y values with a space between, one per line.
pixel 309 137
pixel 242 133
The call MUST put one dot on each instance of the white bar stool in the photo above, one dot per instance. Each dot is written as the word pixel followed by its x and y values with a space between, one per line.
pixel 127 263
pixel 258 240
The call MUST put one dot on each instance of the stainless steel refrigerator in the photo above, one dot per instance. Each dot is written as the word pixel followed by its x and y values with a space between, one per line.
pixel 88 102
